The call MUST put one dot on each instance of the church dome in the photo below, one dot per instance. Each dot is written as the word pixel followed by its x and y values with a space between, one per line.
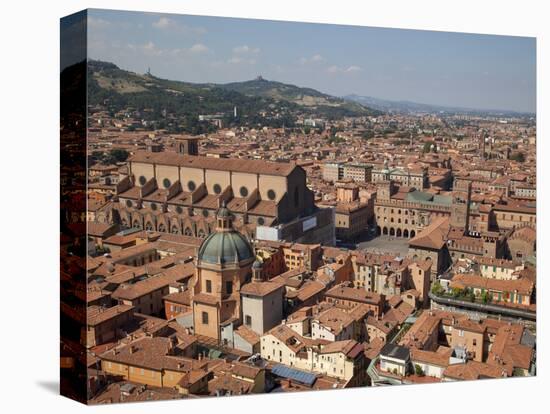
pixel 225 247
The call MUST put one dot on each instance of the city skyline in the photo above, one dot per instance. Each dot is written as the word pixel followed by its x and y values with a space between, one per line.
pixel 484 72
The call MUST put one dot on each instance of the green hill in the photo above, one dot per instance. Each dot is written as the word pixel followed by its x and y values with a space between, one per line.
pixel 304 97
pixel 278 103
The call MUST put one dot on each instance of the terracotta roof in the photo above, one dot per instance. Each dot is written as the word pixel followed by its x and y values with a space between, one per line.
pixel 97 315
pixel 473 370
pixel 352 294
pixel 222 164
pixel 248 334
pixel 151 353
pixel 523 286
pixel 182 298
pixel 260 288
pixel 433 236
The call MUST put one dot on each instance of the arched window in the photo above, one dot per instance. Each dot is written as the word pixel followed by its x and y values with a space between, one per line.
pixel 148 226
pixel 175 230
pixel 188 232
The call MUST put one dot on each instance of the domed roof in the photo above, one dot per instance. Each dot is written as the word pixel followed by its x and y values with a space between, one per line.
pixel 225 247
pixel 223 212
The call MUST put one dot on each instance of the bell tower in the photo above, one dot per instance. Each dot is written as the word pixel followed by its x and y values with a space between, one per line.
pixel 187 145
pixel 460 208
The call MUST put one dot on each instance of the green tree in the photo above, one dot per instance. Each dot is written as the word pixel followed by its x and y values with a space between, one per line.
pixel 437 289
pixel 418 370
pixel 456 292
pixel 368 134
pixel 120 155
pixel 518 156
pixel 428 147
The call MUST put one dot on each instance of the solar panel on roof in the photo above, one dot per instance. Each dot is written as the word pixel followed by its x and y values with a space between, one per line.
pixel 294 374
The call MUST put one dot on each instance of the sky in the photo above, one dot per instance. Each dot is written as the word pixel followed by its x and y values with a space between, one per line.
pixel 439 68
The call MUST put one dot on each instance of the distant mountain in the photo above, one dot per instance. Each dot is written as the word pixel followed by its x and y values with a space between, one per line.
pixel 415 107
pixel 305 97
pixel 276 101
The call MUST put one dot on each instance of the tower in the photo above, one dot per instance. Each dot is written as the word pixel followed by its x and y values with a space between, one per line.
pixel 460 207
pixel 483 136
pixel 385 190
pixel 187 145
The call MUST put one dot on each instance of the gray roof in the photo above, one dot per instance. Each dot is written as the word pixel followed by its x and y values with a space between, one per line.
pixel 225 247
pixel 395 351
pixel 419 196
pixel 294 374
pixel 423 197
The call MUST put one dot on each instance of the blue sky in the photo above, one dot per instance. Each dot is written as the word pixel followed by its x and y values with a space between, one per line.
pixel 467 70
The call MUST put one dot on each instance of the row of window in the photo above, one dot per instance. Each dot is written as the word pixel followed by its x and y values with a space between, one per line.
pixel 179 210
pixel 378 218
pixel 192 186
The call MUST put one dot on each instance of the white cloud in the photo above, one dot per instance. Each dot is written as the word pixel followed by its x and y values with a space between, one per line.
pixel 167 24
pixel 313 59
pixel 340 69
pixel 163 23
pixel 235 60
pixel 317 58
pixel 244 49
pixel 98 23
pixel 149 46
pixel 198 48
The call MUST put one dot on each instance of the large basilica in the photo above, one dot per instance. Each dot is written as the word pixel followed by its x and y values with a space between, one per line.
pixel 180 192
